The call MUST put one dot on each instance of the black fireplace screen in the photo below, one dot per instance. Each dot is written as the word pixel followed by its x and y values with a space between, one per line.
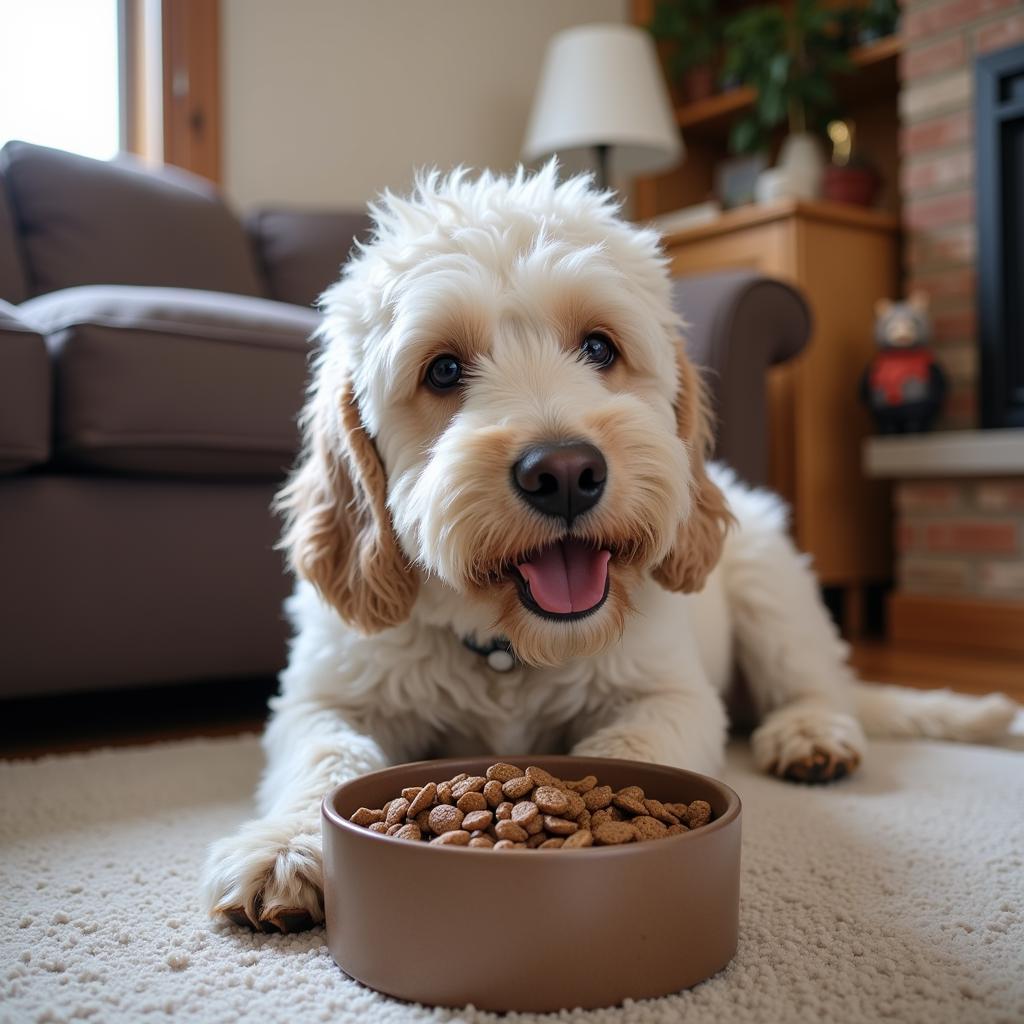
pixel 999 147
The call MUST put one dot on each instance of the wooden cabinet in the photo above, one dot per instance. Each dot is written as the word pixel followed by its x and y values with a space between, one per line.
pixel 842 258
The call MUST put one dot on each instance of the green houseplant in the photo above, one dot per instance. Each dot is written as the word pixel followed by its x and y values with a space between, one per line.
pixel 692 33
pixel 790 59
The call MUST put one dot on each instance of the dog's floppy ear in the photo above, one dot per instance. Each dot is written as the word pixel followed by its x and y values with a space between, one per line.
pixel 338 530
pixel 698 543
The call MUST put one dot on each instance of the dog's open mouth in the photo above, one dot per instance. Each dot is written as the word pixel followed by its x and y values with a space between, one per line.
pixel 565 580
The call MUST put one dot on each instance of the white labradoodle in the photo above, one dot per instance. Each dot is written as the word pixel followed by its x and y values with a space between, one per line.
pixel 507 540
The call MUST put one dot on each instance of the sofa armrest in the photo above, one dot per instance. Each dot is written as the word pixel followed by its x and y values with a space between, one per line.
pixel 739 324
pixel 25 392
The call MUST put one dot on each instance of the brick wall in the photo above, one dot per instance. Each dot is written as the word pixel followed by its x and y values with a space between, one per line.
pixel 941 40
pixel 962 537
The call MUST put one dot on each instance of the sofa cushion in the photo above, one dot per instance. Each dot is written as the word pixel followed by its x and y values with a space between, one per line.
pixel 302 251
pixel 85 221
pixel 168 381
pixel 25 390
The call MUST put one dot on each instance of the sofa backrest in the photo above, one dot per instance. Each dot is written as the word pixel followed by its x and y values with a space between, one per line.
pixel 84 221
pixel 13 287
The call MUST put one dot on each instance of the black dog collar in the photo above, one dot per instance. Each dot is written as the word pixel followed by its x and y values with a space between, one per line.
pixel 499 654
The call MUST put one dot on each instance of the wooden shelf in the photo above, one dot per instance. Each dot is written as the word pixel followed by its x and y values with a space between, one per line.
pixel 744 217
pixel 876 67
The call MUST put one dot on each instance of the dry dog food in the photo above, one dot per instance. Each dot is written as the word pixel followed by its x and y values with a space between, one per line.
pixel 510 808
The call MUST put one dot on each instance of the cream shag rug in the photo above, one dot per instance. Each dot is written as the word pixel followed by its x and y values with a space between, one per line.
pixel 898 894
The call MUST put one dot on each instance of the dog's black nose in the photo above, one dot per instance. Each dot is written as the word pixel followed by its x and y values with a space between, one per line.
pixel 562 480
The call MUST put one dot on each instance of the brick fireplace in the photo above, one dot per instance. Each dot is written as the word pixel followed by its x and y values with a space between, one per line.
pixel 942 39
pixel 958 494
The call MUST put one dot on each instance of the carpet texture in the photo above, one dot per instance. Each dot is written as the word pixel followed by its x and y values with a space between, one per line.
pixel 898 894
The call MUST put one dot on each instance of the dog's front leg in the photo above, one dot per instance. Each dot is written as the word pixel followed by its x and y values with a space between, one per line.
pixel 685 728
pixel 269 874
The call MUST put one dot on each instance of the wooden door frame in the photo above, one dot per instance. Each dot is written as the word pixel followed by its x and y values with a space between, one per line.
pixel 170 82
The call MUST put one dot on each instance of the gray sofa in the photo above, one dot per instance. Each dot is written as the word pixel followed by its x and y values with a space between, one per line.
pixel 153 357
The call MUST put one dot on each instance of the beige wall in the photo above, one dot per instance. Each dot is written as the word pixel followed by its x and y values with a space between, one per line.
pixel 326 102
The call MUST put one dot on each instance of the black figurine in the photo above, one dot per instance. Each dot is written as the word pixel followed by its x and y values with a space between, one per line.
pixel 903 385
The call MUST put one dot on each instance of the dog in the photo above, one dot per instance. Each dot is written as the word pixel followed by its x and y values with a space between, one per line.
pixel 507 538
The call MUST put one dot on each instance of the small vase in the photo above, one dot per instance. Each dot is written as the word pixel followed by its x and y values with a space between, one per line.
pixel 803 164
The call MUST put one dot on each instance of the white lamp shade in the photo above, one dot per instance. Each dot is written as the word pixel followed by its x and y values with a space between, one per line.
pixel 602 85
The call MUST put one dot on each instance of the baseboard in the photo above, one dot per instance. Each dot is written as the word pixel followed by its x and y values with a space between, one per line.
pixel 957 623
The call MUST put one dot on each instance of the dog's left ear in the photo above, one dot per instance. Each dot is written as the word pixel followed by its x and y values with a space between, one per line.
pixel 698 543
pixel 338 533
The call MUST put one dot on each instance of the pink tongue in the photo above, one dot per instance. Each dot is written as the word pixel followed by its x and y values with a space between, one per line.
pixel 567 577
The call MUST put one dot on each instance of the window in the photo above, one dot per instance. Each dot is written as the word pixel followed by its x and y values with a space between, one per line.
pixel 59 75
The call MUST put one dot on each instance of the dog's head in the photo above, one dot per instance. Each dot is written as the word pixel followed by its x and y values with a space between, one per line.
pixel 502 402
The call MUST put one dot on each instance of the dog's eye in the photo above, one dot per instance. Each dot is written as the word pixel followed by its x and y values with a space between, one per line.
pixel 444 372
pixel 598 349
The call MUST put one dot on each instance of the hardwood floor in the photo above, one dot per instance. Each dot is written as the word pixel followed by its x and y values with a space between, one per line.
pixel 919 666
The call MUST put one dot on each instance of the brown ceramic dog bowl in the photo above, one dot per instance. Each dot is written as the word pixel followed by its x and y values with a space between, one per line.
pixel 532 930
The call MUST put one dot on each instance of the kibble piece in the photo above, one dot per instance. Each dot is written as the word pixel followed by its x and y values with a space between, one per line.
pixel 503 772
pixel 503 811
pixel 649 828
pixel 410 792
pixel 559 826
pixel 616 813
pixel 576 805
pixel 656 809
pixel 539 839
pixel 507 844
pixel 378 826
pixel 524 812
pixel 584 785
pixel 631 791
pixel 477 820
pixel 598 798
pixel 518 787
pixel 453 782
pixel 423 799
pixel 598 818
pixel 422 819
pixel 482 842
pixel 535 825
pixel 393 827
pixel 551 844
pixel 493 794
pixel 471 801
pixel 470 784
pixel 551 800
pixel 583 821
pixel 541 777
pixel 444 818
pixel 614 833
pixel 411 832
pixel 679 810
pixel 396 810
pixel 582 837
pixel 364 816
pixel 510 830
pixel 698 813
pixel 455 837
pixel 676 830
pixel 444 793
pixel 629 802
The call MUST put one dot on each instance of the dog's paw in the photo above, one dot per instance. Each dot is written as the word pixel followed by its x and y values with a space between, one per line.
pixel 268 876
pixel 808 744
